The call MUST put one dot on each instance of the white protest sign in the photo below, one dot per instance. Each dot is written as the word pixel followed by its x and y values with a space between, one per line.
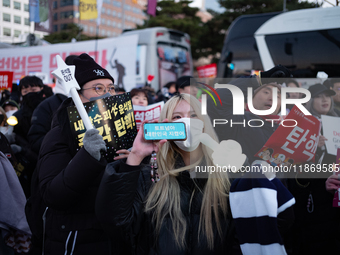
pixel 331 130
pixel 150 112
pixel 65 73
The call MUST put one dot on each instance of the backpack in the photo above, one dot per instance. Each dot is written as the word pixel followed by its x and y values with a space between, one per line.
pixel 35 210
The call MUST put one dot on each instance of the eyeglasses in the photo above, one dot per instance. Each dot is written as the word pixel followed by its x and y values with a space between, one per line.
pixel 101 89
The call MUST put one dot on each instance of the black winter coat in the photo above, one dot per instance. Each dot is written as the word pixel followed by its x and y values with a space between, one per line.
pixel 120 204
pixel 68 182
pixel 42 120
pixel 250 138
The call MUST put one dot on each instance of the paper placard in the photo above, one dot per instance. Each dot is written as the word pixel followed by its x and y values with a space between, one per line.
pixel 331 130
pixel 113 117
pixel 293 144
pixel 150 112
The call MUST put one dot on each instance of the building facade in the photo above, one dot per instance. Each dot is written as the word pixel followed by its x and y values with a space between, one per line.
pixel 116 15
pixel 14 21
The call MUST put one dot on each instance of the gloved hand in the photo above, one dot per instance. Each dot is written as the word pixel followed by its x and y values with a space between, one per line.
pixel 16 148
pixel 94 143
pixel 278 71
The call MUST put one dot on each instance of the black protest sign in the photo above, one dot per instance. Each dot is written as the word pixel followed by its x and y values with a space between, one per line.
pixel 113 117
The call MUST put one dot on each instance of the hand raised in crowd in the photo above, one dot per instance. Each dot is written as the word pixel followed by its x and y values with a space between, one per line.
pixel 142 148
pixel 322 140
pixel 122 154
pixel 333 183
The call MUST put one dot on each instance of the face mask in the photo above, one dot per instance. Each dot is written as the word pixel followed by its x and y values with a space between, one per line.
pixel 10 113
pixel 100 97
pixel 33 99
pixel 3 130
pixel 194 128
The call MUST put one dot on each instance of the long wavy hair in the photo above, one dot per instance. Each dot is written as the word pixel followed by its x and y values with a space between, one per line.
pixel 164 197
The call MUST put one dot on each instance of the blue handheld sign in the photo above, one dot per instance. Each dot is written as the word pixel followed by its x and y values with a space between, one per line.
pixel 167 130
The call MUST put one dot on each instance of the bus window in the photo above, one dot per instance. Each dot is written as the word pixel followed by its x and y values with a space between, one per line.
pixel 240 44
pixel 173 61
pixel 307 53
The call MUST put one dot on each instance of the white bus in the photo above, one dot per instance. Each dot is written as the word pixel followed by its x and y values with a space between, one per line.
pixel 305 41
pixel 162 52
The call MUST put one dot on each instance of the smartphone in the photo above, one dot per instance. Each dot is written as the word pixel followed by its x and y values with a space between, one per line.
pixel 168 130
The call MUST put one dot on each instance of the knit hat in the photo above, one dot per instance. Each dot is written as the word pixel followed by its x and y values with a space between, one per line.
pixel 88 70
pixel 266 85
pixel 10 102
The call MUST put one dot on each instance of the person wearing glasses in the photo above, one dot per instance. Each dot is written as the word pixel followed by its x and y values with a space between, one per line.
pixel 68 178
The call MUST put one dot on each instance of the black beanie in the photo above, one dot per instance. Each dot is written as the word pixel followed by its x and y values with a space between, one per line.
pixel 88 70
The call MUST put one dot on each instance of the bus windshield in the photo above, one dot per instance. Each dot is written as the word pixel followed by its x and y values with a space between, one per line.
pixel 173 61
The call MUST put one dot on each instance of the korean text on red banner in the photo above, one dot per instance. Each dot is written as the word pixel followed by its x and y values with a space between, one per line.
pixel 6 80
pixel 150 112
pixel 293 143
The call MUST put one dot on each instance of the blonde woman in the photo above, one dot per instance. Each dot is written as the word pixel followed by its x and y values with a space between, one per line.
pixel 179 214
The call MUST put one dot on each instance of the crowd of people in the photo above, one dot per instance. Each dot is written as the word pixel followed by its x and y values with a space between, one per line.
pixel 150 200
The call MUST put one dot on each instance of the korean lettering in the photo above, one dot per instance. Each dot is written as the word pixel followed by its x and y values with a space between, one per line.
pixel 121 109
pixel 80 139
pixel 129 120
pixel 114 109
pixel 128 105
pixel 5 63
pixel 107 129
pixel 120 127
pixel 67 74
pixel 107 115
pixel 149 115
pixel 98 118
pixel 298 136
pixel 311 147
pixel 34 63
pixel 139 116
pixel 3 81
pixel 79 125
pixel 294 133
pixel 156 112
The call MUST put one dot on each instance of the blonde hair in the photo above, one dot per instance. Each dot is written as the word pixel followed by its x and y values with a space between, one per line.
pixel 5 116
pixel 164 196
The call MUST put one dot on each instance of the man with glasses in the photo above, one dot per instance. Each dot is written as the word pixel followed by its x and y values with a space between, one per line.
pixel 97 90
pixel 68 178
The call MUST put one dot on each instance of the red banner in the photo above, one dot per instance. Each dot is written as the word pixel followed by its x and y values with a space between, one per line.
pixel 6 79
pixel 207 71
pixel 293 143
pixel 150 112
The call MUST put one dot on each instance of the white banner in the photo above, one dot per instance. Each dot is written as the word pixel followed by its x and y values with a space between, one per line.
pixel 116 55
pixel 331 130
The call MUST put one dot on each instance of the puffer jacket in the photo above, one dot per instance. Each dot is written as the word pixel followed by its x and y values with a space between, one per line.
pixel 120 207
pixel 68 182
